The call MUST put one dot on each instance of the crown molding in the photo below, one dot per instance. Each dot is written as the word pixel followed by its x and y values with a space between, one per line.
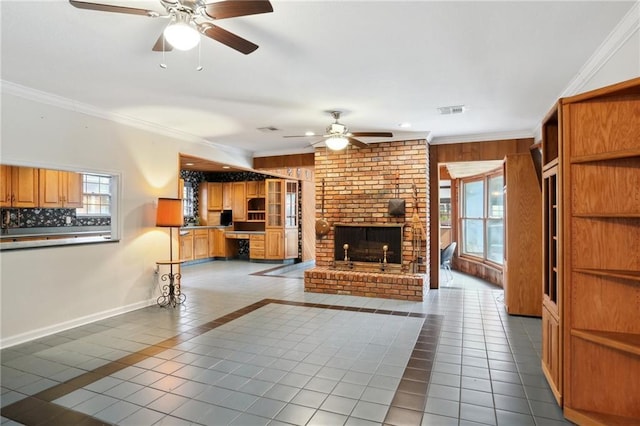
pixel 623 31
pixel 46 98
pixel 482 137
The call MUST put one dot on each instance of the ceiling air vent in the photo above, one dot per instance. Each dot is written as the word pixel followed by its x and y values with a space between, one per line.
pixel 453 109
pixel 268 129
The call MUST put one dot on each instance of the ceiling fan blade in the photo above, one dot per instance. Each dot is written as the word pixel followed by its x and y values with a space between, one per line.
pixel 225 37
pixel 233 8
pixel 162 45
pixel 111 8
pixel 356 142
pixel 373 134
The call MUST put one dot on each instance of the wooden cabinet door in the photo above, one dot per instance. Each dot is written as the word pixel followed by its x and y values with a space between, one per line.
pixel 252 189
pixel 201 244
pixel 5 186
pixel 291 244
pixel 186 247
pixel 72 190
pixel 24 186
pixel 227 195
pixel 239 202
pixel 274 244
pixel 50 190
pixel 220 243
pixel 214 193
pixel 212 243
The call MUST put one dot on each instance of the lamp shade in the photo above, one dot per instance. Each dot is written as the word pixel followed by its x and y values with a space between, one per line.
pixel 337 143
pixel 169 212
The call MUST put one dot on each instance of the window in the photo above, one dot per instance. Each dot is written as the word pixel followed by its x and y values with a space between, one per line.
pixel 482 217
pixel 187 200
pixel 96 196
pixel 445 203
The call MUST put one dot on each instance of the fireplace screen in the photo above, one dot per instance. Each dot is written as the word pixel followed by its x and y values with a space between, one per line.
pixel 366 243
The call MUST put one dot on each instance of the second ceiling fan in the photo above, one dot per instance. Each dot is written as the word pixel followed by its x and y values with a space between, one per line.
pixel 338 137
pixel 190 18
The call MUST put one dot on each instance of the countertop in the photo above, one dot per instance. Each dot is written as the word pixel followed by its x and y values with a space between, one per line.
pixel 53 231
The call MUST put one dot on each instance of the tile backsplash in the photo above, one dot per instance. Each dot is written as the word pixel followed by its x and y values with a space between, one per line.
pixel 39 218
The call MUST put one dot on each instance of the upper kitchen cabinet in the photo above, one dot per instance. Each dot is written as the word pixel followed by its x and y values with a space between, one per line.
pixel 256 189
pixel 60 189
pixel 214 192
pixel 19 186
pixel 239 202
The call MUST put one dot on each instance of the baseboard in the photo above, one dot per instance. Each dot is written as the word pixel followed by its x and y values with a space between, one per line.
pixel 7 342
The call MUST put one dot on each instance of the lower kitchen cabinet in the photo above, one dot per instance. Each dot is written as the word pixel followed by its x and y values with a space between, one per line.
pixel 186 246
pixel 256 246
pixel 201 244
pixel 218 244
pixel 274 244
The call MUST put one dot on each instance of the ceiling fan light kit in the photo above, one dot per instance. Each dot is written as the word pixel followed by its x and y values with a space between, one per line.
pixel 190 19
pixel 181 34
pixel 337 143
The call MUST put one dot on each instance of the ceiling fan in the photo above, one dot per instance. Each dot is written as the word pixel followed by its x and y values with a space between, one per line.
pixel 338 137
pixel 190 18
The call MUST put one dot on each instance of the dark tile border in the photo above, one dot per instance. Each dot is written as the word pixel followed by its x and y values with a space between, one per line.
pixel 406 408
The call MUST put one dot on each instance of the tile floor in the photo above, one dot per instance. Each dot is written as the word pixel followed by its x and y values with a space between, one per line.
pixel 249 347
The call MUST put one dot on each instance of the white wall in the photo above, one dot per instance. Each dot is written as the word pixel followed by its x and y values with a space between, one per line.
pixel 46 290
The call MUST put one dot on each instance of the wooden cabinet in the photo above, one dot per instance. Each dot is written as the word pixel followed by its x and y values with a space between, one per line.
pixel 291 243
pixel 256 189
pixel 239 202
pixel 227 195
pixel 599 179
pixel 274 244
pixel 522 267
pixel 256 247
pixel 200 244
pixel 281 225
pixel 552 315
pixel 186 246
pixel 59 188
pixel 214 196
pixel 218 245
pixel 19 186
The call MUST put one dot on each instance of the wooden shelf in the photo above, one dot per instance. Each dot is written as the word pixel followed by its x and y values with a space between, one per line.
pixel 612 273
pixel 593 418
pixel 605 215
pixel 625 342
pixel 615 155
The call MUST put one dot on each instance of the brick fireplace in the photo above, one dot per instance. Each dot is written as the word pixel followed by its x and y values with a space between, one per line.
pixel 358 184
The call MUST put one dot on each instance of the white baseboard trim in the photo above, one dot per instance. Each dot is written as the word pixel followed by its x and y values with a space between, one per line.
pixel 7 342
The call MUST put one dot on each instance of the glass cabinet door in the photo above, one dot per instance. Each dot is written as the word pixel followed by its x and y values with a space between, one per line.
pixel 274 203
pixel 291 204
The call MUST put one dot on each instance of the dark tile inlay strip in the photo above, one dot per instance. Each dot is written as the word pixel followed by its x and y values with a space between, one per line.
pixel 406 407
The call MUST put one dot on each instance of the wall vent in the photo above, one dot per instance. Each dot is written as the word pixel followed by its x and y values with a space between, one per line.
pixel 453 109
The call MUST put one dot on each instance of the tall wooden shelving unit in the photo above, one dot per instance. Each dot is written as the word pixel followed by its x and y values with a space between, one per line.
pixel 522 224
pixel 551 254
pixel 599 301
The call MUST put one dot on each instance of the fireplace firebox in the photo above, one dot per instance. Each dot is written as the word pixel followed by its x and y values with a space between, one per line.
pixel 367 242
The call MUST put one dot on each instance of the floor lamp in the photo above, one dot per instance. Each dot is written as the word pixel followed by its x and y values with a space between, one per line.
pixel 169 215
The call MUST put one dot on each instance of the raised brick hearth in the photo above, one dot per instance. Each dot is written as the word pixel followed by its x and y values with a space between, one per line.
pixel 368 284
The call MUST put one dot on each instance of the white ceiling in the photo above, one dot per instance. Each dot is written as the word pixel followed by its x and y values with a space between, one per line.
pixel 381 62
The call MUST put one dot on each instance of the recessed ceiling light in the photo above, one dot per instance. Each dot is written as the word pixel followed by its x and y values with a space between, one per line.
pixel 188 164
pixel 226 167
pixel 309 133
pixel 404 125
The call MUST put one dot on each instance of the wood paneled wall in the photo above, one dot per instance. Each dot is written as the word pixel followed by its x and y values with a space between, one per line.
pixel 449 153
